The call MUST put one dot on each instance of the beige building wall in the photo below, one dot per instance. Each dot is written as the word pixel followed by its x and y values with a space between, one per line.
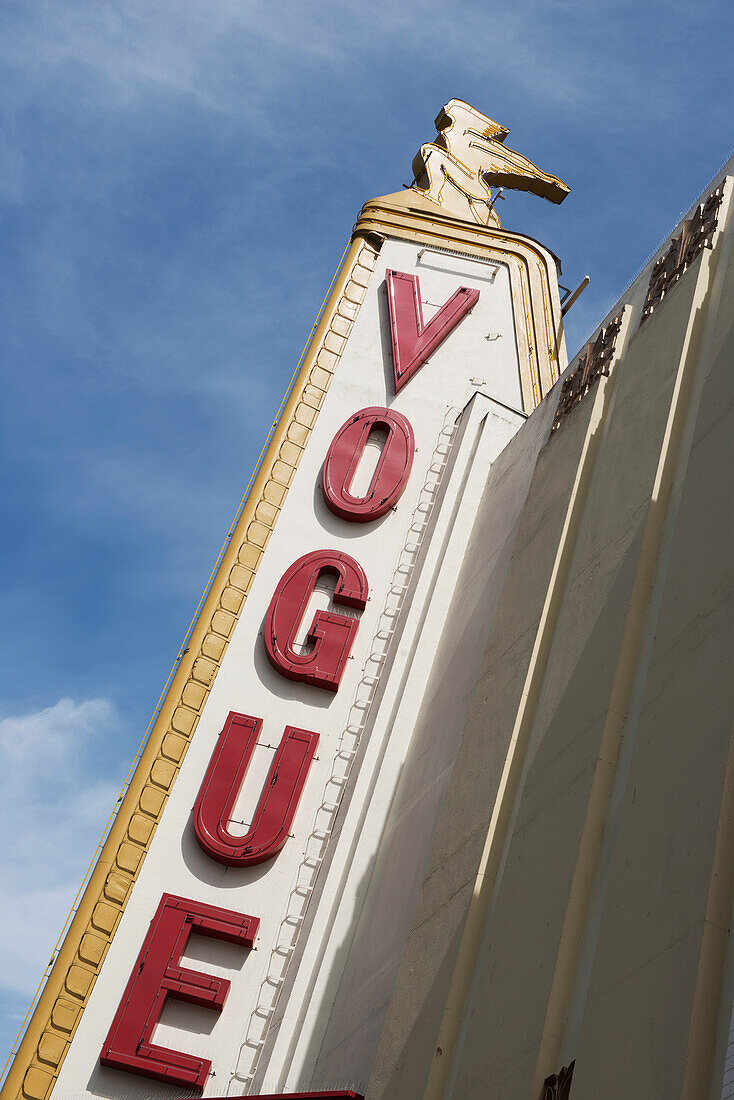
pixel 577 897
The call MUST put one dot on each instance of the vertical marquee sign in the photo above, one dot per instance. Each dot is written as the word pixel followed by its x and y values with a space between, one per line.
pixel 210 934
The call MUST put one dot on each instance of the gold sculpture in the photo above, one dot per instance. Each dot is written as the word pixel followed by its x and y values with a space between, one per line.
pixel 468 158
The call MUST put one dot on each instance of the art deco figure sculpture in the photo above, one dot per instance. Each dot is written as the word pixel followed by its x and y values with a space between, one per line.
pixel 468 158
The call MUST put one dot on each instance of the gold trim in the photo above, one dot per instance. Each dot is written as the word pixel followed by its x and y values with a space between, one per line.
pixel 41 1054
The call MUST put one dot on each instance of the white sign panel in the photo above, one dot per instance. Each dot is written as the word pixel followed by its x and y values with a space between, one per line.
pixel 410 558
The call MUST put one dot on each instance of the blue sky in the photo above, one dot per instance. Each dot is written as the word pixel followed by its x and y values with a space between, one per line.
pixel 177 181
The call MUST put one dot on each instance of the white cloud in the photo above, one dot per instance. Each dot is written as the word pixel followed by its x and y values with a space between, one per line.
pixel 55 799
pixel 232 54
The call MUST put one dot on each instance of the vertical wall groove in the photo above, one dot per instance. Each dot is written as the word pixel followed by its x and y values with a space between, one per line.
pixel 673 451
pixel 448 1042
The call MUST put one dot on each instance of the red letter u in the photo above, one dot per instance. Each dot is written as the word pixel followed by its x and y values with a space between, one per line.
pixel 331 635
pixel 278 802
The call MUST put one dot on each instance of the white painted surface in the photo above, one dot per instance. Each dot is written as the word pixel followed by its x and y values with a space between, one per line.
pixel 488 503
pixel 247 683
pixel 484 430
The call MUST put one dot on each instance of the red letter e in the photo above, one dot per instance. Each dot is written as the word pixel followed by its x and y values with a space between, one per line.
pixel 158 974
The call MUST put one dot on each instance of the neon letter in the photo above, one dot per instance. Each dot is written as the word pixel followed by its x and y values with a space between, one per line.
pixel 331 635
pixel 278 801
pixel 412 340
pixel 391 473
pixel 158 974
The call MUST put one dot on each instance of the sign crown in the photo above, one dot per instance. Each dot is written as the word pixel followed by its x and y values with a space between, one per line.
pixel 468 158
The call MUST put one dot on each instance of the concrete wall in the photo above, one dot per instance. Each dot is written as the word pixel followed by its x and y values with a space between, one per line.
pixel 409 1037
pixel 578 895
pixel 642 987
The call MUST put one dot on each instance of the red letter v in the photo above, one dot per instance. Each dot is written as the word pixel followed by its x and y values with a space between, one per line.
pixel 412 341
pixel 278 801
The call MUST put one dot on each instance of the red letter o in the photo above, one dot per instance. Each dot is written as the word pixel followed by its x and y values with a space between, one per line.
pixel 391 473
pixel 332 635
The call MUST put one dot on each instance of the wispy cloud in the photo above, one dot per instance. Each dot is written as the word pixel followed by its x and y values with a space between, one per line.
pixel 56 793
pixel 227 55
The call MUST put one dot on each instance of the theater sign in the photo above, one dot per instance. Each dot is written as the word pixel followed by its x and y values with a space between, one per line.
pixel 222 914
